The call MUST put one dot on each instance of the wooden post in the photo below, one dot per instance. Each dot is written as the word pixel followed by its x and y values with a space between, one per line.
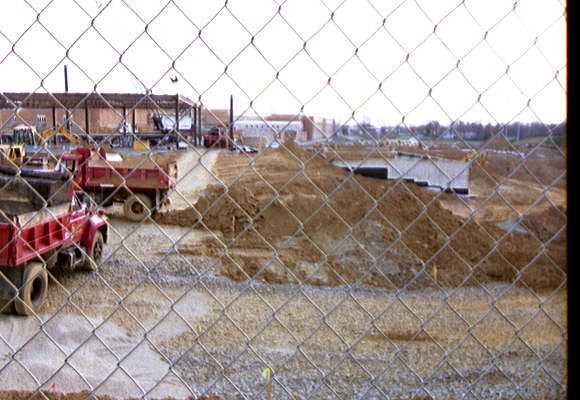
pixel 54 118
pixel 133 123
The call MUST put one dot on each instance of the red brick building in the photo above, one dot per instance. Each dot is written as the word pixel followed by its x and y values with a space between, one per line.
pixel 93 113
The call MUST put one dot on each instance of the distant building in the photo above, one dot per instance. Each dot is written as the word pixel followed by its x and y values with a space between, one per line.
pixel 258 131
pixel 215 118
pixel 261 132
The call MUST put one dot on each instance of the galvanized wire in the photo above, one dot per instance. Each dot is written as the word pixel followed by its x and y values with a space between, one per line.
pixel 316 377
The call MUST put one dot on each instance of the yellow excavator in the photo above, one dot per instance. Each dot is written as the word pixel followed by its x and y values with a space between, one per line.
pixel 481 160
pixel 13 153
pixel 49 133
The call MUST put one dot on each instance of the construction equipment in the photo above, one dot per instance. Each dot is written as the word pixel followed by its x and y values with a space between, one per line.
pixel 43 224
pixel 142 187
pixel 49 133
pixel 12 153
pixel 481 160
pixel 141 145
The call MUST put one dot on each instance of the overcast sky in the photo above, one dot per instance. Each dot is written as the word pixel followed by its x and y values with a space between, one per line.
pixel 97 32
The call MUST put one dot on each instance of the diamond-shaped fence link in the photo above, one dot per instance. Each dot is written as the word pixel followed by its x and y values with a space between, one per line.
pixel 283 199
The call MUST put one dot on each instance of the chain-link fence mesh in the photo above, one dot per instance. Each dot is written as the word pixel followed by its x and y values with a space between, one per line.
pixel 283 199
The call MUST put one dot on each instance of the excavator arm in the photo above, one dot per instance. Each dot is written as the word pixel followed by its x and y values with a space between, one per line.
pixel 48 133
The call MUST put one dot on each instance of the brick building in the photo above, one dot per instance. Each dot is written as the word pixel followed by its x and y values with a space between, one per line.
pixel 93 113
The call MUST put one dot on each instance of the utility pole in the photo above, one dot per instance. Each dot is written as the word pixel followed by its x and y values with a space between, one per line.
pixel 66 91
pixel 231 119
pixel 65 79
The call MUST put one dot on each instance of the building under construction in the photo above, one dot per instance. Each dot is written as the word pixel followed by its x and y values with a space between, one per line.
pixel 97 114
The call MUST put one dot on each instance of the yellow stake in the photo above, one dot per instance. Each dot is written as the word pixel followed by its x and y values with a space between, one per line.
pixel 435 272
pixel 267 374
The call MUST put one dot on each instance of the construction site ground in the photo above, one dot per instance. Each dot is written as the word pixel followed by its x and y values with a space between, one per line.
pixel 336 281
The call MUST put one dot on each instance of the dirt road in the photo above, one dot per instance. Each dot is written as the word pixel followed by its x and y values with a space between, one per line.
pixel 195 174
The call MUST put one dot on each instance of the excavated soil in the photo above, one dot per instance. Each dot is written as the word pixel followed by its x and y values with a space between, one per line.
pixel 150 161
pixel 288 215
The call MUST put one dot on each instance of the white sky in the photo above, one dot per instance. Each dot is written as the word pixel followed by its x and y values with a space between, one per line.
pixel 38 57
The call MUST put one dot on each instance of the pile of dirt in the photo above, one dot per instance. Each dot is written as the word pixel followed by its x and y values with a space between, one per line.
pixel 290 216
pixel 547 225
pixel 145 161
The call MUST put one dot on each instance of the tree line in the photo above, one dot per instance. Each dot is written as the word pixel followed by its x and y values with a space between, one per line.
pixel 463 130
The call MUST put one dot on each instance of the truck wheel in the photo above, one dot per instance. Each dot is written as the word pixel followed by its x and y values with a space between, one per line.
pixel 33 291
pixel 92 258
pixel 137 207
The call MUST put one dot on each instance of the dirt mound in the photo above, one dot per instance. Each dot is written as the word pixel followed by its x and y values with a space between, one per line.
pixel 288 215
pixel 145 161
pixel 547 224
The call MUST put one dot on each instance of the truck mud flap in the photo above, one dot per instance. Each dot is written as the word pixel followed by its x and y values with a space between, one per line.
pixel 10 281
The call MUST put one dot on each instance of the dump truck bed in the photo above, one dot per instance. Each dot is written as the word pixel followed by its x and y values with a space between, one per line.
pixel 147 175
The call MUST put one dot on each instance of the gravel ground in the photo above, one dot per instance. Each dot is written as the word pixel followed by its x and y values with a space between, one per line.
pixel 219 335
pixel 156 322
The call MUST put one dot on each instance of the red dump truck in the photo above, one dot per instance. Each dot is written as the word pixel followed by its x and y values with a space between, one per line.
pixel 42 224
pixel 141 185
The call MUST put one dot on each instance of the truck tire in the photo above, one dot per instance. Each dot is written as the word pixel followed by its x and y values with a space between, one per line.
pixel 137 207
pixel 94 256
pixel 34 289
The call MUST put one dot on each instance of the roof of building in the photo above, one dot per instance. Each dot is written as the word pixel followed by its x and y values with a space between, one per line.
pixel 92 100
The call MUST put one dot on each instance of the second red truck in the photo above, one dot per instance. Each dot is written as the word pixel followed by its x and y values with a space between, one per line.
pixel 142 185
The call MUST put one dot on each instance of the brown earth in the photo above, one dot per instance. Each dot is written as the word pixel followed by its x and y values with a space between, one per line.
pixel 150 161
pixel 289 216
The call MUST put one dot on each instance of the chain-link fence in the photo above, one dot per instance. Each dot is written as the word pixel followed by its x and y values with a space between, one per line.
pixel 283 199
